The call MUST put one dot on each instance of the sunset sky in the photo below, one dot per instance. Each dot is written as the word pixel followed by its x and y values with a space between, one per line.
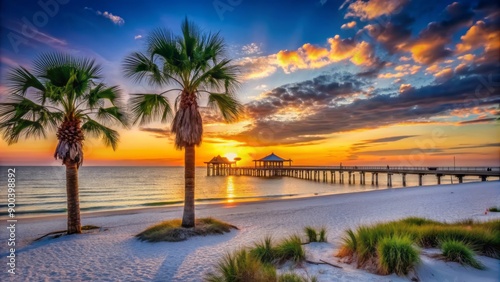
pixel 376 82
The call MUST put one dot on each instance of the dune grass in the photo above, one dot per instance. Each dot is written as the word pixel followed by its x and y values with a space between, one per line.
pixel 264 251
pixel 396 255
pixel 242 267
pixel 172 231
pixel 457 251
pixel 494 209
pixel 293 277
pixel 363 244
pixel 259 262
pixel 312 235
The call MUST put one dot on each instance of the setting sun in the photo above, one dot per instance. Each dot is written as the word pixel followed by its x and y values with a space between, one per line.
pixel 230 156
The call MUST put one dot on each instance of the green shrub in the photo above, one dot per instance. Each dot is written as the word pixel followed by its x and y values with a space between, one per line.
pixel 311 234
pixel 242 267
pixel 457 251
pixel 293 277
pixel 172 231
pixel 264 251
pixel 494 209
pixel 396 255
pixel 349 244
pixel 290 249
pixel 322 235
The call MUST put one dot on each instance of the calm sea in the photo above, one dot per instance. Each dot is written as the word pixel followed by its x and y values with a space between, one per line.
pixel 41 190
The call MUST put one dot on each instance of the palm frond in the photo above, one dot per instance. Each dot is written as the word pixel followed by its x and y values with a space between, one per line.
pixel 20 80
pixel 20 108
pixel 13 129
pixel 93 128
pixel 112 115
pixel 222 77
pixel 101 93
pixel 145 108
pixel 139 67
pixel 228 106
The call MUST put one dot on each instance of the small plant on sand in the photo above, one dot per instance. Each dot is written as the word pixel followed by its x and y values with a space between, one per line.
pixel 172 231
pixel 264 251
pixel 322 235
pixel 290 249
pixel 396 255
pixel 314 235
pixel 349 244
pixel 494 209
pixel 293 277
pixel 242 267
pixel 311 234
pixel 459 252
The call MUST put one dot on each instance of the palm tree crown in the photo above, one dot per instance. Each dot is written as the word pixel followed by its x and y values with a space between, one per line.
pixel 193 65
pixel 64 96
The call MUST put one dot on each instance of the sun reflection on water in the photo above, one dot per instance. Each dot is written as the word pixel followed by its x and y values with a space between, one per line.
pixel 230 189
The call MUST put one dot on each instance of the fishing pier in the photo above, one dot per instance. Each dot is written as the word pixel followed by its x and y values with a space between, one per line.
pixel 274 166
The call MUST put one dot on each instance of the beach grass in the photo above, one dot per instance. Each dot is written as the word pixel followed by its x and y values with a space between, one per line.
pixel 458 251
pixel 242 267
pixel 294 277
pixel 494 209
pixel 396 255
pixel 312 235
pixel 364 244
pixel 290 249
pixel 264 251
pixel 172 231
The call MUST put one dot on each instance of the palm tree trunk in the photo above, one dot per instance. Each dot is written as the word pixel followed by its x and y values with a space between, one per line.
pixel 73 198
pixel 189 159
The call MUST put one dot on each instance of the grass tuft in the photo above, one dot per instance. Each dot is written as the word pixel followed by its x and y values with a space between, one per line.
pixel 349 244
pixel 311 234
pixel 290 249
pixel 322 235
pixel 172 231
pixel 264 251
pixel 457 251
pixel 242 267
pixel 396 255
pixel 494 209
pixel 294 277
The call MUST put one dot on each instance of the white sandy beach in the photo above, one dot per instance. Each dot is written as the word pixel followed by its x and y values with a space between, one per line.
pixel 115 255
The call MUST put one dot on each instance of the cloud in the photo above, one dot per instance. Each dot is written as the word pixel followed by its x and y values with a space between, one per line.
pixel 405 87
pixel 311 110
pixel 114 18
pixel 481 120
pixel 481 35
pixel 252 49
pixel 393 35
pixel 312 57
pixel 138 36
pixel 483 145
pixel 444 73
pixel 368 10
pixel 257 67
pixel 349 25
pixel 431 44
pixel 157 132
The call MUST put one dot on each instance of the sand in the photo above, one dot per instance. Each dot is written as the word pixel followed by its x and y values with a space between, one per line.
pixel 113 254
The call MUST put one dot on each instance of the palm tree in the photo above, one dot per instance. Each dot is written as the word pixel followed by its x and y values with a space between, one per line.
pixel 63 93
pixel 195 66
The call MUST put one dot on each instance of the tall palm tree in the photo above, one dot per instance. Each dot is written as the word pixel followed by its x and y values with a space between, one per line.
pixel 193 65
pixel 62 93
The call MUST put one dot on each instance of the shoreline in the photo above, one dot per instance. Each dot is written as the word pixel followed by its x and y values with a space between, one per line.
pixel 218 204
pixel 113 253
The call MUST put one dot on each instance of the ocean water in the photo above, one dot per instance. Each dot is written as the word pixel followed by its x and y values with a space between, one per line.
pixel 42 190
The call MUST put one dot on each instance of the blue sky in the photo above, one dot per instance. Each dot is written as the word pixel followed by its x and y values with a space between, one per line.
pixel 305 64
